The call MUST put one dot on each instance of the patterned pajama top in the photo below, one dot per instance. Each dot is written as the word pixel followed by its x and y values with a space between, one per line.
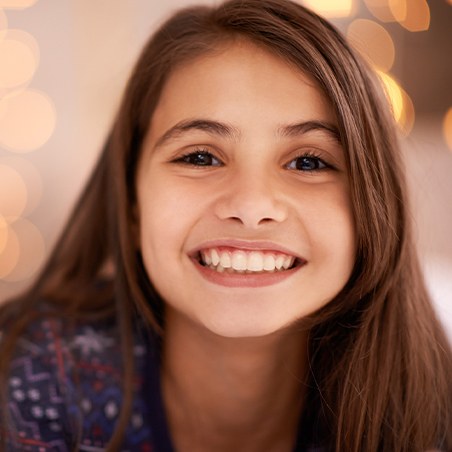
pixel 65 392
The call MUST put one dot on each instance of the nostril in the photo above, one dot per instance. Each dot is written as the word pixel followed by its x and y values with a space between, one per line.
pixel 250 210
pixel 261 221
pixel 266 220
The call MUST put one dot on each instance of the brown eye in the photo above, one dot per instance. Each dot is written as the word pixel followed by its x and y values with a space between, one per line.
pixel 307 163
pixel 199 158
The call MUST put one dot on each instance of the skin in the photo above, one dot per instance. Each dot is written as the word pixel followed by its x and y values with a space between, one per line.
pixel 252 186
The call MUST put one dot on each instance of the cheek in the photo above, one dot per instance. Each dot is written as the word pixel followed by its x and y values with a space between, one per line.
pixel 167 213
pixel 170 198
pixel 329 219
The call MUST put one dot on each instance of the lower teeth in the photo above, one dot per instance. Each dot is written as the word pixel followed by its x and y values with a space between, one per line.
pixel 221 269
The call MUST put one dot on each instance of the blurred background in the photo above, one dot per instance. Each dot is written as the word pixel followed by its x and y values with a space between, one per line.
pixel 63 65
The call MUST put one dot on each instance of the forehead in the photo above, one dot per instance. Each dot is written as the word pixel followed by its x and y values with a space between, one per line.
pixel 243 84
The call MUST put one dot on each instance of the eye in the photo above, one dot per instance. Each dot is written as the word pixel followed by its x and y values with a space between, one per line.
pixel 307 162
pixel 199 158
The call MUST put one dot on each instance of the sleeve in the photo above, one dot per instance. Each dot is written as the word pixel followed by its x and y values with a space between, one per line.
pixel 65 390
pixel 37 393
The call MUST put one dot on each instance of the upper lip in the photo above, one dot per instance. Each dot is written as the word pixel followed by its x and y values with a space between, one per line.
pixel 245 245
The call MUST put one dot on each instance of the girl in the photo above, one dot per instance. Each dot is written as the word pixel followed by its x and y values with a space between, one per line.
pixel 239 272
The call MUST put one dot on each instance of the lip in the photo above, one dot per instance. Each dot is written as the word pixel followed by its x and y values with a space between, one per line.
pixel 245 279
pixel 245 245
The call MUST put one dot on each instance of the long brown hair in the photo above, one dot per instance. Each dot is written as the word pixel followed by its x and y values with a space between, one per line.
pixel 381 366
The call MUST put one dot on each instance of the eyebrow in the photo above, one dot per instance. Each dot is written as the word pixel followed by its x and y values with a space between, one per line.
pixel 205 125
pixel 228 131
pixel 294 130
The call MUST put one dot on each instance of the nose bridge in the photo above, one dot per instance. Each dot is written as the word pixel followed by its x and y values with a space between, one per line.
pixel 251 197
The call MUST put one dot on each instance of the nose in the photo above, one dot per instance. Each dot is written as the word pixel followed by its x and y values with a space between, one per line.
pixel 251 200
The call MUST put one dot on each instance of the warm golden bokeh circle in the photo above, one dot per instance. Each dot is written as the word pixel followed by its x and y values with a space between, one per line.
pixel 3 233
pixel 413 15
pixel 3 23
pixel 19 62
pixel 27 39
pixel 394 93
pixel 13 193
pixel 406 120
pixel 9 257
pixel 380 9
pixel 401 103
pixel 373 42
pixel 332 8
pixel 31 251
pixel 17 4
pixel 31 111
pixel 30 176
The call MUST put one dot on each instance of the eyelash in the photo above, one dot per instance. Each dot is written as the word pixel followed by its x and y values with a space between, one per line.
pixel 308 157
pixel 185 159
pixel 311 157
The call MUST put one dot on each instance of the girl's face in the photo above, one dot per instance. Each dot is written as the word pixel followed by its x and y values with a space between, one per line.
pixel 243 195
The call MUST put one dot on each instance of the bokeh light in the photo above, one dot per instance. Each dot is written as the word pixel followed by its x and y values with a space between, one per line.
pixel 3 107
pixel 27 120
pixel 406 120
pixel 27 39
pixel 373 42
pixel 3 233
pixel 380 9
pixel 394 93
pixel 332 8
pixel 417 17
pixel 17 4
pixel 9 257
pixel 18 61
pixel 3 31
pixel 414 15
pixel 13 193
pixel 31 111
pixel 3 23
pixel 447 128
pixel 31 251
pixel 30 176
pixel 399 9
pixel 402 105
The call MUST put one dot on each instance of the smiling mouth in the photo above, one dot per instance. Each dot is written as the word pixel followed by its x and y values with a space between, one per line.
pixel 246 262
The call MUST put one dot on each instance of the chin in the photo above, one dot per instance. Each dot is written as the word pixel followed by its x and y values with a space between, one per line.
pixel 235 329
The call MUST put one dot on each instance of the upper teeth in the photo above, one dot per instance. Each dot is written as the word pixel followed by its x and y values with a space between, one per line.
pixel 251 261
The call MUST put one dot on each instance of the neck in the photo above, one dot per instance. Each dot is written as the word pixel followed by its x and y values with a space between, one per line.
pixel 220 393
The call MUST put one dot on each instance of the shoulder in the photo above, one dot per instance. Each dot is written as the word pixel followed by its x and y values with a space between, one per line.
pixel 65 382
pixel 96 374
pixel 37 389
pixel 97 365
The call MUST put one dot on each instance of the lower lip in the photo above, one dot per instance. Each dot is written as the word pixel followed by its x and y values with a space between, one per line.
pixel 244 279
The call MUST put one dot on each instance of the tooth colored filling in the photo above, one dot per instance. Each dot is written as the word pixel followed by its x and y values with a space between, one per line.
pixel 240 261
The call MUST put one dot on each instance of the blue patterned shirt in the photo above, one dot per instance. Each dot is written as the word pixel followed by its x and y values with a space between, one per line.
pixel 65 391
